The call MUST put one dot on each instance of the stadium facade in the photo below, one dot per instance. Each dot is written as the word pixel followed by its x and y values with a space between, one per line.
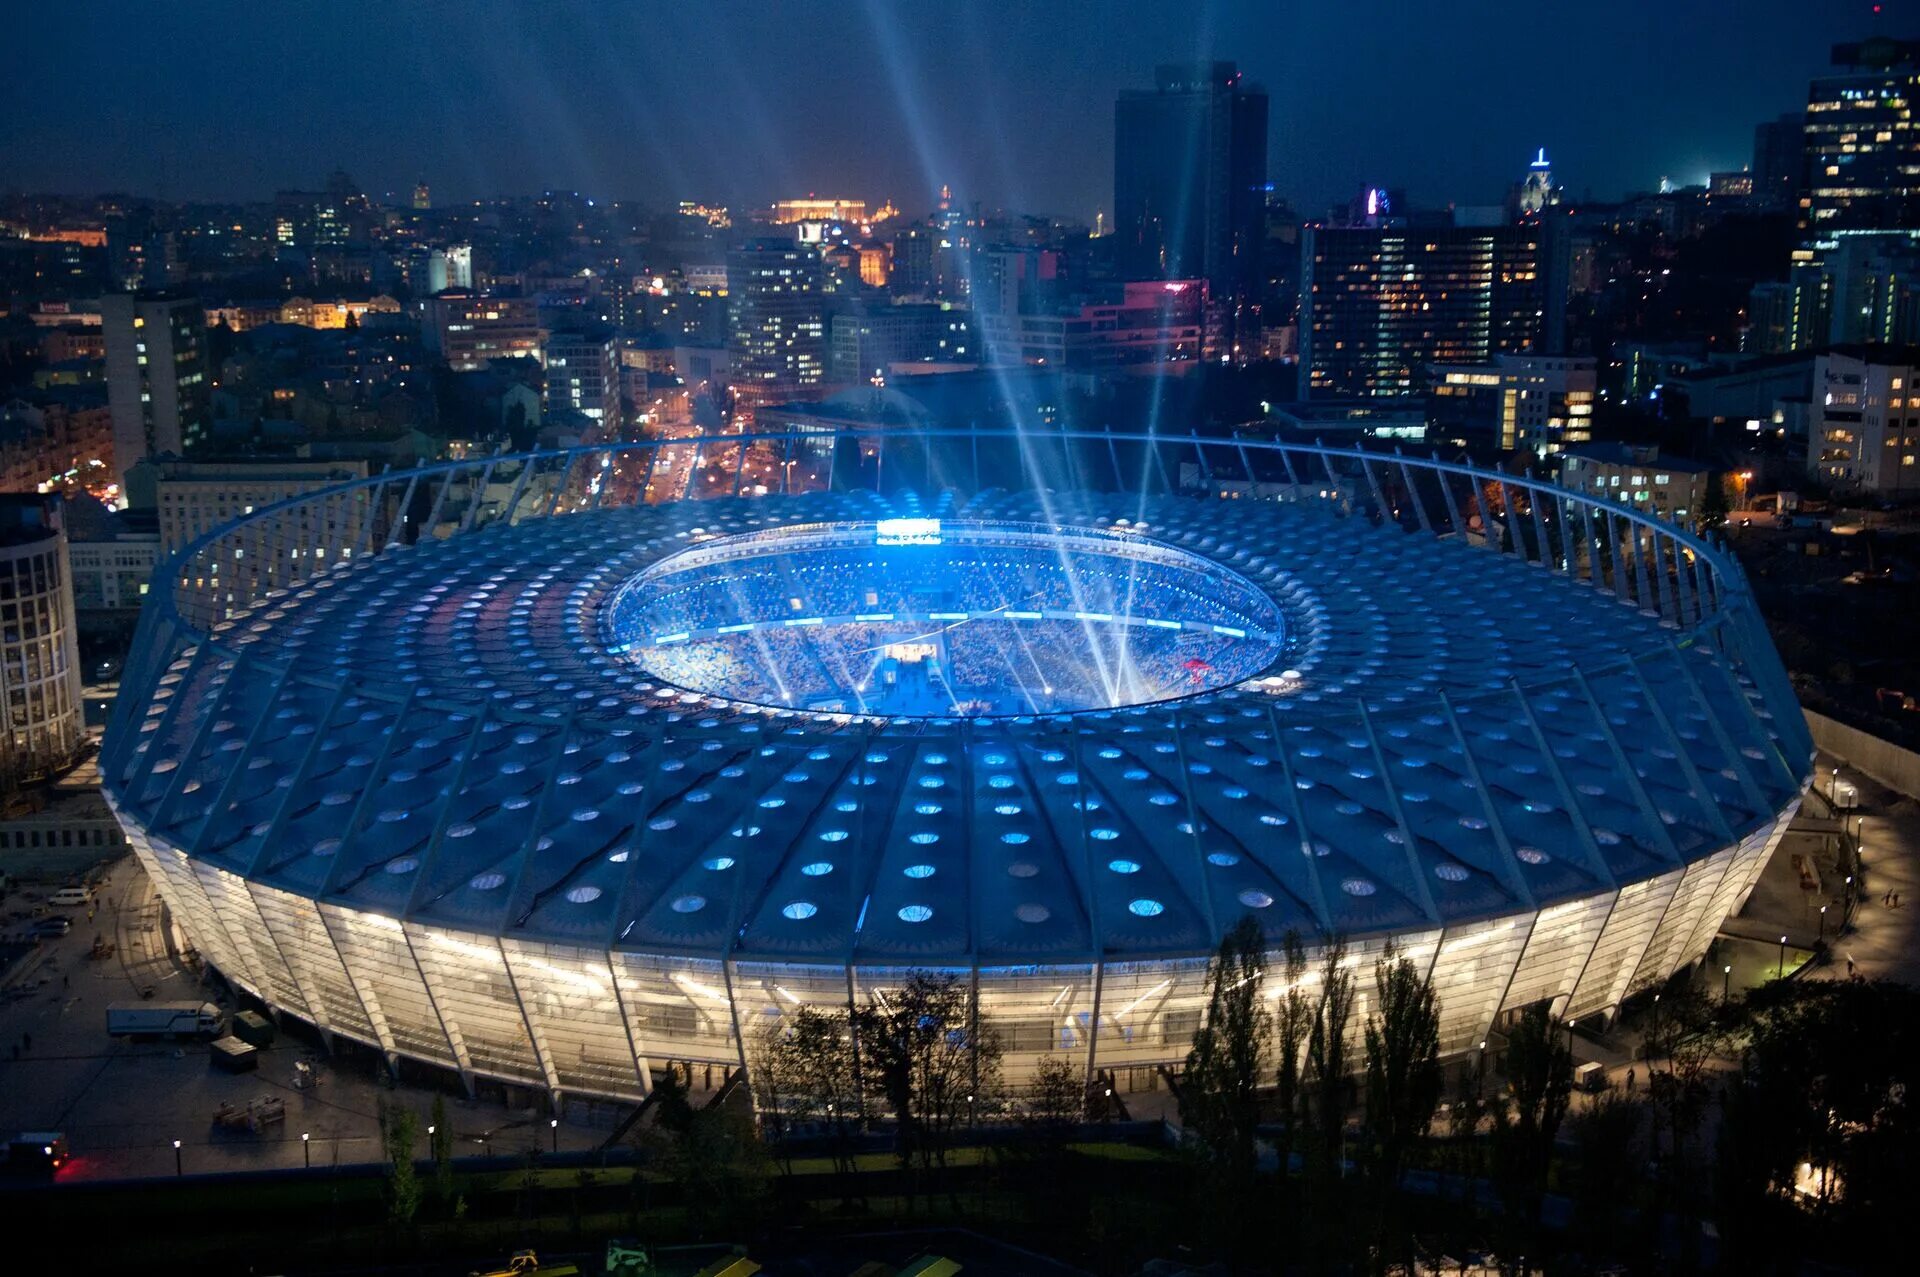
pixel 553 768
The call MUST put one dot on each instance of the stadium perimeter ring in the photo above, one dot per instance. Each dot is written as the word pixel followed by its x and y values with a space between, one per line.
pixel 391 759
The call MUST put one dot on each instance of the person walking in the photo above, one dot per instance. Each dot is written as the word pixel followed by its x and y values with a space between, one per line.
pixel 1629 1081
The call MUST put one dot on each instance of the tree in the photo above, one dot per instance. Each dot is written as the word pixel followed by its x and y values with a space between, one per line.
pixel 1220 1086
pixel 808 1073
pixel 1607 1136
pixel 1403 1086
pixel 1329 1097
pixel 397 1130
pixel 1293 1011
pixel 1055 1104
pixel 925 1053
pixel 1824 1101
pixel 1539 1070
pixel 1713 501
pixel 440 1143
pixel 1326 1074
pixel 1056 1100
pixel 1688 1036
pixel 722 1168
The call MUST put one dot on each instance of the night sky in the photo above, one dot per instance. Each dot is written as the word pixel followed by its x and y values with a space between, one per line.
pixel 1010 100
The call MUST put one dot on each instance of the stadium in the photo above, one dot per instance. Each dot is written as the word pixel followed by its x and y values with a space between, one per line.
pixel 552 769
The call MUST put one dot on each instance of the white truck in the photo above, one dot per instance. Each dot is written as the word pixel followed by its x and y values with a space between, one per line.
pixel 163 1019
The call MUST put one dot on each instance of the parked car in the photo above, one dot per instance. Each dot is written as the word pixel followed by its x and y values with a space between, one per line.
pixel 52 928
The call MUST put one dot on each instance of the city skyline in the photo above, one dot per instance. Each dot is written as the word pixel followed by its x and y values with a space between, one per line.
pixel 747 107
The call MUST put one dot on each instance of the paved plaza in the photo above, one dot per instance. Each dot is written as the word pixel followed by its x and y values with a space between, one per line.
pixel 122 1103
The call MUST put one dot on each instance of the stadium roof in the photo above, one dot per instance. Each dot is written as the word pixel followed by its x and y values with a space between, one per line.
pixel 439 733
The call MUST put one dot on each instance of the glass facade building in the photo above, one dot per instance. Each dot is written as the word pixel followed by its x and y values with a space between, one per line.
pixel 416 790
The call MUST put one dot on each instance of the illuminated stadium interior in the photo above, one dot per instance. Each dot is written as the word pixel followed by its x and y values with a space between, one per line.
pixel 916 617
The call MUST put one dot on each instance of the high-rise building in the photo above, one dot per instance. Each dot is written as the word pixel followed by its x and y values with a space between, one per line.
pixel 583 374
pixel 1150 323
pixel 1536 190
pixel 1011 278
pixel 1190 179
pixel 1780 158
pixel 1380 304
pixel 1855 288
pixel 912 267
pixel 422 196
pixel 157 376
pixel 869 340
pixel 42 732
pixel 1862 146
pixel 1785 315
pixel 1864 431
pixel 776 329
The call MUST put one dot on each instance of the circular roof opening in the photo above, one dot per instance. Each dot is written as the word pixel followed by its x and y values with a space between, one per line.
pixel 930 618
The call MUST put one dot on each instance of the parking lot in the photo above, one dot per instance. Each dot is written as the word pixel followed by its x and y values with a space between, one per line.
pixel 122 1103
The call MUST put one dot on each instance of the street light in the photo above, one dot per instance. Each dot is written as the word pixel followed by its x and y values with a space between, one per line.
pixel 1726 985
pixel 553 1124
pixel 1781 971
pixel 306 1147
pixel 1823 922
pixel 177 1170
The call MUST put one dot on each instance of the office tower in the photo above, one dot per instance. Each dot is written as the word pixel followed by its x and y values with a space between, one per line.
pixel 1536 190
pixel 912 273
pixel 157 377
pixel 869 340
pixel 468 330
pixel 422 197
pixel 1379 304
pixel 1780 158
pixel 1010 279
pixel 42 732
pixel 1190 177
pixel 1151 322
pixel 776 331
pixel 1862 149
pixel 1870 286
pixel 583 374
pixel 1786 315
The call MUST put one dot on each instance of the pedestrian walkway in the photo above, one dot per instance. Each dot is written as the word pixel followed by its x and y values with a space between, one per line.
pixel 1884 940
